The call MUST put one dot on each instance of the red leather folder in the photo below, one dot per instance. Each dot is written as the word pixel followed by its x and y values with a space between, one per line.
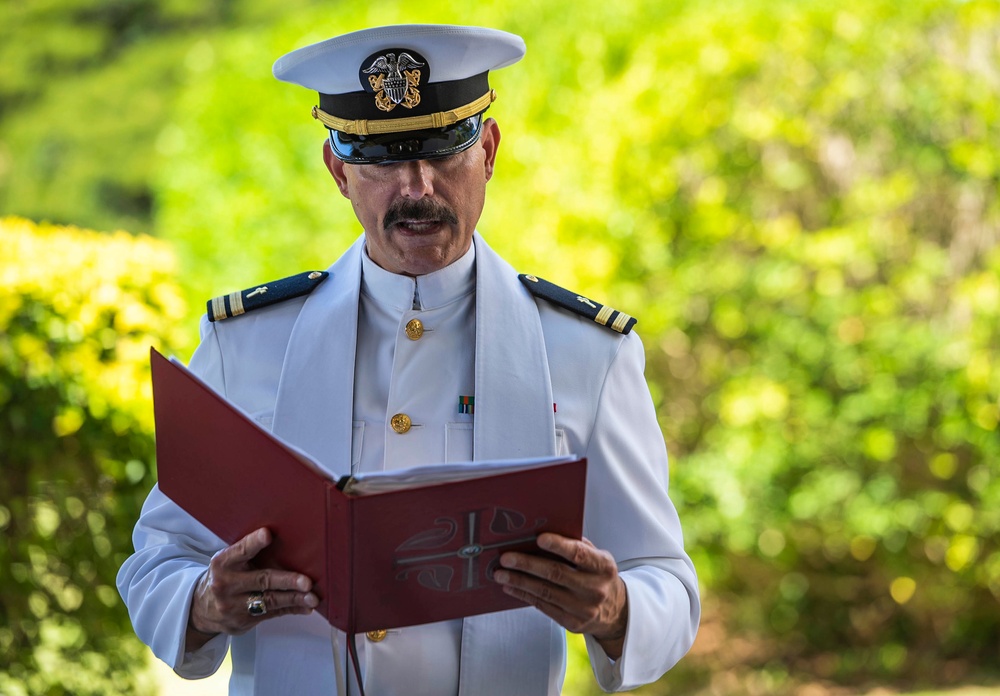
pixel 378 561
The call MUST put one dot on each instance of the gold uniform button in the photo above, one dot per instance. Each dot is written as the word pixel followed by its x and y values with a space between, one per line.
pixel 377 636
pixel 401 423
pixel 414 329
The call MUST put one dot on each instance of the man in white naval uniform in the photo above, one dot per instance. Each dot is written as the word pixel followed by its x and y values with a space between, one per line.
pixel 365 369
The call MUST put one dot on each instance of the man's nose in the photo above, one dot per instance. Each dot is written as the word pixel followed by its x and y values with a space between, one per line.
pixel 417 179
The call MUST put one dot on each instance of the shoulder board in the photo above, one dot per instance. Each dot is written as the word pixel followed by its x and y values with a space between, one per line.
pixel 602 314
pixel 237 303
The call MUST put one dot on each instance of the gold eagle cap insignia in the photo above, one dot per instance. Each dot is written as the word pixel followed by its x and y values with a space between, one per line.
pixel 395 81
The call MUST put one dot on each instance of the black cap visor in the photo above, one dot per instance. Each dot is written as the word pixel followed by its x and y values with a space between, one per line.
pixel 431 143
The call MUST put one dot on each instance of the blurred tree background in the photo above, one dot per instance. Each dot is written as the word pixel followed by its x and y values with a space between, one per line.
pixel 798 199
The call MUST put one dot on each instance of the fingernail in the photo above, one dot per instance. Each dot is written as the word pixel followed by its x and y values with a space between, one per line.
pixel 312 600
pixel 501 576
pixel 303 583
pixel 508 561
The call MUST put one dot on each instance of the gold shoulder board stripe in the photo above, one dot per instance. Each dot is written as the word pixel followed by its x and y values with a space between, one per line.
pixel 238 303
pixel 620 321
pixel 604 315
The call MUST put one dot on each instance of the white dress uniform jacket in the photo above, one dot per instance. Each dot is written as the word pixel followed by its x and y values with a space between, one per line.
pixel 545 381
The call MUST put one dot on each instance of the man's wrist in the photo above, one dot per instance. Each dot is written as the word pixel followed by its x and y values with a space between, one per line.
pixel 194 629
pixel 613 642
pixel 195 639
pixel 194 636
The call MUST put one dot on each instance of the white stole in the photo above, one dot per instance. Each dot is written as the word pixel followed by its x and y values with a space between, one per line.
pixel 506 652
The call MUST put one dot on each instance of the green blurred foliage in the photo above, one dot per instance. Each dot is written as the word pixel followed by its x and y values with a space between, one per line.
pixel 798 199
pixel 78 313
pixel 829 307
pixel 85 88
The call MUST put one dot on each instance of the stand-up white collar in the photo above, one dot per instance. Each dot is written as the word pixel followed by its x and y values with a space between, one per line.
pixel 425 292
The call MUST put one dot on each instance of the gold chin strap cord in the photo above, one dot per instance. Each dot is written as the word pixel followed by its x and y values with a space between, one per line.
pixel 410 123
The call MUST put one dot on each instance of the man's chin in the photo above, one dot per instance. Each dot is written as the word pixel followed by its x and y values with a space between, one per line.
pixel 418 250
pixel 424 259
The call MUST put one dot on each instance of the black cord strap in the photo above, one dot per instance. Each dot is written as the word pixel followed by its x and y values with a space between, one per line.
pixel 352 650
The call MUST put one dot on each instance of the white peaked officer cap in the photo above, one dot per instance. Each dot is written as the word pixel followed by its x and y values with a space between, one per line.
pixel 397 93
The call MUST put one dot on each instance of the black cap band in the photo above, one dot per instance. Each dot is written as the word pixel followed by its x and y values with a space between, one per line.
pixel 434 97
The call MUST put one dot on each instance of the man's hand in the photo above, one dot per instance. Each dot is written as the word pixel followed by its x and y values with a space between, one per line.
pixel 219 604
pixel 583 594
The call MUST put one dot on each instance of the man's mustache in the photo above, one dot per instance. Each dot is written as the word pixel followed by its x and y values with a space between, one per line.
pixel 421 210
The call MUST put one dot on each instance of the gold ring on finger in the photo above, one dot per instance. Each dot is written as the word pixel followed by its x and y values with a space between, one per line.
pixel 256 605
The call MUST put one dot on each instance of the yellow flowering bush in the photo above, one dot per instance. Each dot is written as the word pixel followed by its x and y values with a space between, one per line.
pixel 78 313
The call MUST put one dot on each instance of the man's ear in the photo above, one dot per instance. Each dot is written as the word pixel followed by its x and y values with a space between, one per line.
pixel 336 168
pixel 489 140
